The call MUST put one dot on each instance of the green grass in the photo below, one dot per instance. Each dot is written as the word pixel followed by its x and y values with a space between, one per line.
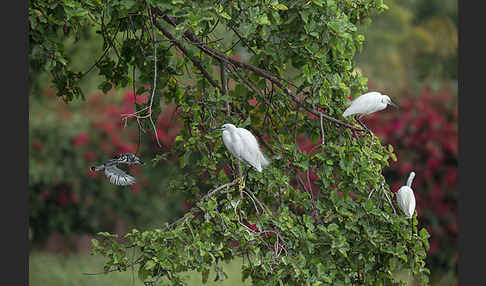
pixel 47 269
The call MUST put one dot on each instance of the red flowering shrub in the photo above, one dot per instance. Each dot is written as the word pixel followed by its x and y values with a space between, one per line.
pixel 65 196
pixel 424 135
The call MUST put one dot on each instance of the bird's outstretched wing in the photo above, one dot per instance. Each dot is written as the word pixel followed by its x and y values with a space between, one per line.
pixel 118 176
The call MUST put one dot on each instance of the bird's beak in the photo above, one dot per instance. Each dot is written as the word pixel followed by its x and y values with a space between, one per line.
pixel 215 129
pixel 394 105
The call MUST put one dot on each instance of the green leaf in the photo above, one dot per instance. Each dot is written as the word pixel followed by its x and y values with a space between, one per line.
pixel 280 6
pixel 225 15
pixel 318 3
pixel 105 87
pixel 424 234
pixel 149 265
pixel 263 20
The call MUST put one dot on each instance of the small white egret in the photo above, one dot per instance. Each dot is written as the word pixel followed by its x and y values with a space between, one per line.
pixel 116 175
pixel 368 103
pixel 244 146
pixel 406 198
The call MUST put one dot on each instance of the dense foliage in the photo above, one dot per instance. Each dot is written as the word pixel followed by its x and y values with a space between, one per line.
pixel 296 79
pixel 65 140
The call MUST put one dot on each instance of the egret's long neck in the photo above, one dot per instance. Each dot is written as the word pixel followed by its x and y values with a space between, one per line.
pixel 410 179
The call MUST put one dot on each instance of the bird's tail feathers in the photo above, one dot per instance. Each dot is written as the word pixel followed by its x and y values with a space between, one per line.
pixel 346 113
pixel 264 160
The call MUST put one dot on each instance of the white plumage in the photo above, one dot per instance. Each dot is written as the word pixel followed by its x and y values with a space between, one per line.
pixel 406 198
pixel 244 146
pixel 368 103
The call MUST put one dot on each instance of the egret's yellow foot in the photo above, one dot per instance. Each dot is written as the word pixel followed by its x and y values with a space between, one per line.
pixel 241 183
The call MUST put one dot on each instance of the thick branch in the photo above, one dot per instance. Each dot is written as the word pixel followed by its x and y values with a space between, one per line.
pixel 181 47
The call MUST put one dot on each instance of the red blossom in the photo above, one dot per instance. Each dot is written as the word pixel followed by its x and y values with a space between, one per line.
pixel 129 98
pixel 251 226
pixel 434 246
pixel 253 102
pixel 81 139
pixel 187 205
pixel 89 156
pixel 135 188
pixel 37 145
pixel 74 198
pixel 234 243
pixel 63 198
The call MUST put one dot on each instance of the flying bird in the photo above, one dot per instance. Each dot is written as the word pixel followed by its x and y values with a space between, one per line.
pixel 406 198
pixel 244 146
pixel 366 104
pixel 118 176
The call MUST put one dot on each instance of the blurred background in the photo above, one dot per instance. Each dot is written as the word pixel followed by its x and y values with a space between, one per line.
pixel 410 54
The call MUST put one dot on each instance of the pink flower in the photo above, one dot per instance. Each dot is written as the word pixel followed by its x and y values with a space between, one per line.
pixel 74 198
pixel 89 156
pixel 135 188
pixel 253 102
pixel 251 226
pixel 234 243
pixel 37 145
pixel 81 139
pixel 63 199
pixel 129 98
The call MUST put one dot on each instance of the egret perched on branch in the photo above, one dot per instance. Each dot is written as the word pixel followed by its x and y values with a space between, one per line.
pixel 406 198
pixel 368 103
pixel 244 146
pixel 116 175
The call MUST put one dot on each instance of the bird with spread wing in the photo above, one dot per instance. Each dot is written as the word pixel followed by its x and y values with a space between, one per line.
pixel 116 175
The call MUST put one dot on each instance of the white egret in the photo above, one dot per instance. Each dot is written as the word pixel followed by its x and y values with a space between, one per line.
pixel 244 146
pixel 116 175
pixel 406 198
pixel 368 103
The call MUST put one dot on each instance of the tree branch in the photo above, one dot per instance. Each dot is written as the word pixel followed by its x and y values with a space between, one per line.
pixel 181 47
pixel 193 39
pixel 224 86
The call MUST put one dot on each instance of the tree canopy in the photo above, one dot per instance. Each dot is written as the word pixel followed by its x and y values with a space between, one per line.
pixel 285 71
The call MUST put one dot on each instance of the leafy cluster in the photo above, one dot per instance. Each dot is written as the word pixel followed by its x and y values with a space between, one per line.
pixel 282 68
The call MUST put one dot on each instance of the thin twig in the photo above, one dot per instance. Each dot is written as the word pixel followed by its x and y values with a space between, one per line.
pixel 224 86
pixel 154 87
pixel 112 270
pixel 322 132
